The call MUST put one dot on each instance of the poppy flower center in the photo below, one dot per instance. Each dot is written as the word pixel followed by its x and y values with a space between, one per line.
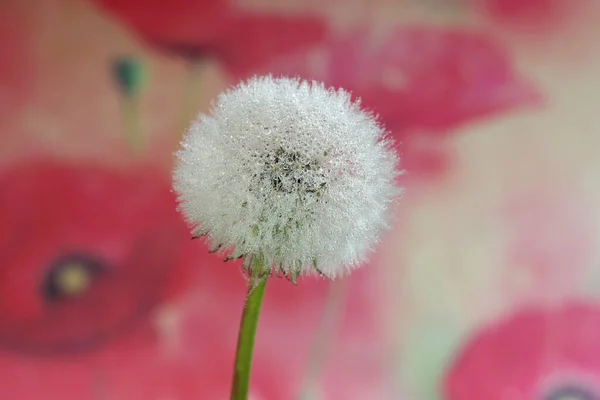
pixel 572 392
pixel 70 277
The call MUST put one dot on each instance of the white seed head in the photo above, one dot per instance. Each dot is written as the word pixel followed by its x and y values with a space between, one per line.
pixel 288 171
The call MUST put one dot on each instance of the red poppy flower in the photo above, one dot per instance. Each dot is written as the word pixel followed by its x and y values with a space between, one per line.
pixel 194 29
pixel 424 82
pixel 85 253
pixel 88 259
pixel 538 354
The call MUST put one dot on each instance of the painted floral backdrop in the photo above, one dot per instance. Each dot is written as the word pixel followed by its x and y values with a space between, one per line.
pixel 486 288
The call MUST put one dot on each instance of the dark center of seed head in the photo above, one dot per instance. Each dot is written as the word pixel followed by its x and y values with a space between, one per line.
pixel 293 172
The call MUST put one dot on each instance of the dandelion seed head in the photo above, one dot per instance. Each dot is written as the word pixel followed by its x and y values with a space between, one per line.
pixel 289 171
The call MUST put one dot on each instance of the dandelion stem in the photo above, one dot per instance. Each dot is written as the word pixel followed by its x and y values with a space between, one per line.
pixel 245 345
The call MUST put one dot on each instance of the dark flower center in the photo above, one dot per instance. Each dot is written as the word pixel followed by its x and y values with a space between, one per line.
pixel 572 392
pixel 81 301
pixel 292 172
pixel 71 276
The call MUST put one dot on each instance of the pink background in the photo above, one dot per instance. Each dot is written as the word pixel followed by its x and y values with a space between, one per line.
pixel 486 288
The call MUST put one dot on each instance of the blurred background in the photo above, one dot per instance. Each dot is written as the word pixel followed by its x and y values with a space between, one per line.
pixel 487 287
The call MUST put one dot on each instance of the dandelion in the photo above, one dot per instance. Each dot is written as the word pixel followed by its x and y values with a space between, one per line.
pixel 292 177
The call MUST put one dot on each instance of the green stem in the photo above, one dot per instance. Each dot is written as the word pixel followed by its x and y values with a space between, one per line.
pixel 128 75
pixel 245 345
pixel 131 121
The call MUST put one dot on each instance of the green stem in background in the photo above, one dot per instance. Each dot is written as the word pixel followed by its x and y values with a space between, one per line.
pixel 325 336
pixel 130 112
pixel 245 346
pixel 128 75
